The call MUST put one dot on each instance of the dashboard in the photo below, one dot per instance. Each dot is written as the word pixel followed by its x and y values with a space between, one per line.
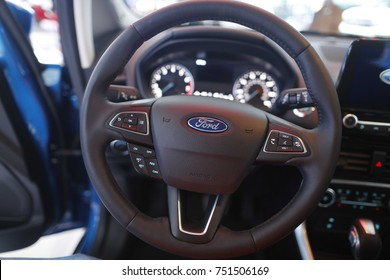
pixel 359 194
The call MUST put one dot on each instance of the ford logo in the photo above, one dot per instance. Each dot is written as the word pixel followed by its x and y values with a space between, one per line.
pixel 385 76
pixel 206 124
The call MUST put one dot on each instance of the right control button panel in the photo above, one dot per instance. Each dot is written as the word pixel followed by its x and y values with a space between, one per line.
pixel 295 98
pixel 282 142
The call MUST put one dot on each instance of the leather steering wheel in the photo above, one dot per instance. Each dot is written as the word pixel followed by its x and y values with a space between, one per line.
pixel 194 143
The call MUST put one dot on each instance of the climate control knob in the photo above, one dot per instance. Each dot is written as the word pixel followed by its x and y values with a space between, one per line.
pixel 350 121
pixel 328 199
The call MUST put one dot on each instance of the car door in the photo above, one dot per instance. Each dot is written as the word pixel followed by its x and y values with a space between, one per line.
pixel 43 186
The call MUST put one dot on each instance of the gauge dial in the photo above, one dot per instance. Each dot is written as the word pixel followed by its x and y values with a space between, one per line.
pixel 256 88
pixel 171 79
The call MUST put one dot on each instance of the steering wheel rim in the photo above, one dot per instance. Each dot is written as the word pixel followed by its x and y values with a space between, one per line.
pixel 316 166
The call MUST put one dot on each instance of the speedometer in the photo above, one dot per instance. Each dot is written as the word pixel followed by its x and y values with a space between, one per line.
pixel 257 88
pixel 171 79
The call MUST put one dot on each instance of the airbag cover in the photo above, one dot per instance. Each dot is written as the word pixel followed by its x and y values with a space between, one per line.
pixel 204 144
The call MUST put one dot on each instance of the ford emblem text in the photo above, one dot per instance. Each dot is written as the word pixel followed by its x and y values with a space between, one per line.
pixel 206 124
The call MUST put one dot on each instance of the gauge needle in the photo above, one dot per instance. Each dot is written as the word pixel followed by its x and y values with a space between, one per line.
pixel 253 94
pixel 168 87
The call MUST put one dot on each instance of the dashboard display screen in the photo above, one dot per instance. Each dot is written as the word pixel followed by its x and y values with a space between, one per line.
pixel 364 83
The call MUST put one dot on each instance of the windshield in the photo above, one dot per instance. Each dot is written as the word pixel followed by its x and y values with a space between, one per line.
pixel 344 17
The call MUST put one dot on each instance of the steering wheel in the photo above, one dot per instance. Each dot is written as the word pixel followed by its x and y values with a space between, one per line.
pixel 194 144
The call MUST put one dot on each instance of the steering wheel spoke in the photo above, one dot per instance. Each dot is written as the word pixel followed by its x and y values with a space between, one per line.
pixel 131 120
pixel 194 217
pixel 284 142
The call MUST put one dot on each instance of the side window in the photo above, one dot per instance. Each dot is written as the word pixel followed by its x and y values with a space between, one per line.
pixel 44 35
pixel 38 19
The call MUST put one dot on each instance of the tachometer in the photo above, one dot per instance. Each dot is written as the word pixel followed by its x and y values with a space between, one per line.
pixel 171 79
pixel 256 88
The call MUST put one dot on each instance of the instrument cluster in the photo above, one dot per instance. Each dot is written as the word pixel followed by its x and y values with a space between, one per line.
pixel 241 67
pixel 237 79
pixel 255 87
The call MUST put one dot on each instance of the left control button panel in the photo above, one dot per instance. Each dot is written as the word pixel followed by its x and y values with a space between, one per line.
pixel 136 122
pixel 144 161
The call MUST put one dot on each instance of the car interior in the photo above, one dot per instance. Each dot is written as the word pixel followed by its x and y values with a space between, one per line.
pixel 205 129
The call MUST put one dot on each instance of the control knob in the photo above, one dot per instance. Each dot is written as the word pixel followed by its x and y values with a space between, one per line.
pixel 350 121
pixel 328 199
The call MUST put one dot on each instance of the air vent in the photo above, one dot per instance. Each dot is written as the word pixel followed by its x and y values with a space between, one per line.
pixel 355 161
pixel 368 164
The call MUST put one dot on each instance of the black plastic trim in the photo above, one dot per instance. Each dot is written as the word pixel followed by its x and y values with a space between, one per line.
pixel 31 229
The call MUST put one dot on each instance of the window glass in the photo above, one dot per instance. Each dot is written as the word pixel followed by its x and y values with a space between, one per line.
pixel 351 17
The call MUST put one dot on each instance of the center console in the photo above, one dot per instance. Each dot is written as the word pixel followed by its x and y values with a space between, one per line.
pixel 361 185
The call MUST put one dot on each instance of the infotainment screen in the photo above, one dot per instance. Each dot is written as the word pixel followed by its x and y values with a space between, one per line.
pixel 364 81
